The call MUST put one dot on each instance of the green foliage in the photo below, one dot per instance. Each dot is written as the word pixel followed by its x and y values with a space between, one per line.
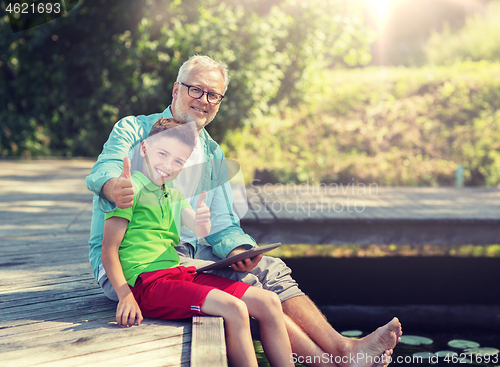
pixel 57 97
pixel 477 40
pixel 65 83
pixel 338 251
pixel 390 126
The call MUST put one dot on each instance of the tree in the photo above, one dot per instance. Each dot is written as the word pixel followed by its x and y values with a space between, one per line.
pixel 65 83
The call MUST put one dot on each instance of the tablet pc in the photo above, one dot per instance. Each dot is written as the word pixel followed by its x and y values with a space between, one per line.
pixel 244 255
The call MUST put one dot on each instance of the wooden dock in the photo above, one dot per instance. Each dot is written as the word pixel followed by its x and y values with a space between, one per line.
pixel 52 311
pixel 54 314
pixel 358 214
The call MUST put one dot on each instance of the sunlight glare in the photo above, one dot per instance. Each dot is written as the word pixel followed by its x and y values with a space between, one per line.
pixel 381 8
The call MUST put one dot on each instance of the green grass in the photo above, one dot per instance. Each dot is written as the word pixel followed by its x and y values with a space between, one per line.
pixel 390 126
pixel 338 251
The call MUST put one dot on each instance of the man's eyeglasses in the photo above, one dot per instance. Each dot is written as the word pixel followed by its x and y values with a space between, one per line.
pixel 195 92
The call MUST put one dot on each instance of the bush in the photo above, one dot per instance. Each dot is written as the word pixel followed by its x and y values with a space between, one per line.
pixel 478 40
pixel 390 126
pixel 65 83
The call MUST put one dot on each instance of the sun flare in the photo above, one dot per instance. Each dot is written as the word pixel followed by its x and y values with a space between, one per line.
pixel 381 8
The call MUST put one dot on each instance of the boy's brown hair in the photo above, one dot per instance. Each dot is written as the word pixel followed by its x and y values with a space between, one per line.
pixel 185 132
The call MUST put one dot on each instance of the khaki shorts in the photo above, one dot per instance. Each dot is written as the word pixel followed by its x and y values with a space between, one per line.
pixel 271 273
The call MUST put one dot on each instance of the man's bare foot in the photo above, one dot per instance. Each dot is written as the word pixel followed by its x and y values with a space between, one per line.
pixel 385 359
pixel 372 349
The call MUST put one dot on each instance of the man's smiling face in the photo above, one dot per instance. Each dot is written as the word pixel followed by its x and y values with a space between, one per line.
pixel 200 111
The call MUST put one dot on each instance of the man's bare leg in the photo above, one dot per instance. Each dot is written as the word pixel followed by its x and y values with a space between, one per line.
pixel 306 315
pixel 303 347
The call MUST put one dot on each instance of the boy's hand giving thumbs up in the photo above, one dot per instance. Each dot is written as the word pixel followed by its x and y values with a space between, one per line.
pixel 123 189
pixel 202 217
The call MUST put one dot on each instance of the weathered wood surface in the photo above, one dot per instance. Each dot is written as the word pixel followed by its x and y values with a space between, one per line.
pixel 208 348
pixel 52 311
pixel 297 203
pixel 357 214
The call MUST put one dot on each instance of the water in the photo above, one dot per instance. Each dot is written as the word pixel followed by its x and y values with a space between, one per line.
pixel 403 353
pixel 399 282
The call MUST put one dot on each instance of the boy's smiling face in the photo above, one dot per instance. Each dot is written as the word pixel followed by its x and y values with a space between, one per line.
pixel 164 158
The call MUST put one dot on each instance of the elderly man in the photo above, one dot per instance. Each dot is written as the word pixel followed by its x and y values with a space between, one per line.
pixel 196 97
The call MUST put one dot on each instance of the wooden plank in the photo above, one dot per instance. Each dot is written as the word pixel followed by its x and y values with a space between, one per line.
pixel 34 285
pixel 11 334
pixel 328 207
pixel 74 254
pixel 64 321
pixel 208 347
pixel 57 304
pixel 152 354
pixel 85 330
pixel 46 333
pixel 376 203
pixel 257 207
pixel 50 297
pixel 53 307
pixel 366 232
pixel 275 205
pixel 84 347
pixel 47 272
pixel 70 257
pixel 67 266
pixel 53 312
pixel 59 242
pixel 315 205
pixel 55 230
pixel 77 310
pixel 240 202
pixel 69 243
pixel 24 295
pixel 33 237
pixel 173 355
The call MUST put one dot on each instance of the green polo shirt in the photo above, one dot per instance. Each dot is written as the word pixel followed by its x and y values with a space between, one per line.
pixel 153 229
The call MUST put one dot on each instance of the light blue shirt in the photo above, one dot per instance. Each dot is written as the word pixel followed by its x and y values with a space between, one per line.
pixel 226 233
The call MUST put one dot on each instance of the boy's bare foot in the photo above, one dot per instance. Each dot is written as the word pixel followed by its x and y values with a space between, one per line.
pixel 373 350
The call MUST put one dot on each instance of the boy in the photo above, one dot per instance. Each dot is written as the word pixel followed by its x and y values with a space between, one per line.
pixel 139 257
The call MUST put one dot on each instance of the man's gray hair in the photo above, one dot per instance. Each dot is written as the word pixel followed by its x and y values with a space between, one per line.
pixel 204 61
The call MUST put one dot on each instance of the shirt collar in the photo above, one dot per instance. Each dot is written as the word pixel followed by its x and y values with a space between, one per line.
pixel 144 181
pixel 168 112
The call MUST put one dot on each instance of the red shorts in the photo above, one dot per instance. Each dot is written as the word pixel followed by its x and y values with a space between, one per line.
pixel 179 292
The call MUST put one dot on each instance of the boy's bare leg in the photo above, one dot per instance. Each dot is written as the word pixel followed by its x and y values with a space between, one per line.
pixel 239 342
pixel 306 315
pixel 265 306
